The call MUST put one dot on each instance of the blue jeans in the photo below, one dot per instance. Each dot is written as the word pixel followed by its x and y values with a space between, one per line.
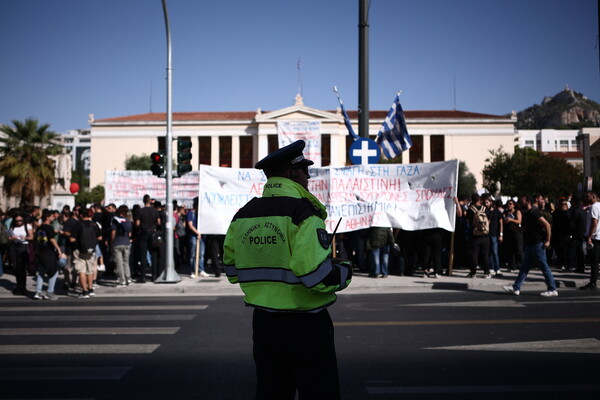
pixel 380 260
pixel 192 248
pixel 39 283
pixel 534 254
pixel 494 259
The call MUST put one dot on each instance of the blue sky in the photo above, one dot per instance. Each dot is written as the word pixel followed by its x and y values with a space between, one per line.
pixel 65 59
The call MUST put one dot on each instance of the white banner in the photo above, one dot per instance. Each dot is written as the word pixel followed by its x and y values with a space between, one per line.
pixel 407 196
pixel 309 131
pixel 129 187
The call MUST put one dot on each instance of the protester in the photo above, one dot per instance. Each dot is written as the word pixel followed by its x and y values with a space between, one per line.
pixel 120 244
pixel 478 217
pixel 593 240
pixel 378 244
pixel 147 222
pixel 46 257
pixel 20 235
pixel 85 236
pixel 537 235
pixel 513 236
pixel 196 261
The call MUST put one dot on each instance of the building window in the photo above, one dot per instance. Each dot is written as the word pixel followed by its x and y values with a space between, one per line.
pixel 416 150
pixel 437 150
pixel 325 150
pixel 273 143
pixel 564 145
pixel 225 151
pixel 204 150
pixel 529 143
pixel 246 152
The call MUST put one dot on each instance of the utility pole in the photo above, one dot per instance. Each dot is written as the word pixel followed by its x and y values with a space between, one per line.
pixel 363 69
pixel 169 275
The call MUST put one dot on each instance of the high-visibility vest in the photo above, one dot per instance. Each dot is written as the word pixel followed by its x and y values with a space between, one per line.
pixel 278 250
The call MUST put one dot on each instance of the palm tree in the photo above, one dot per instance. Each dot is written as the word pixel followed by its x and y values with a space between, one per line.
pixel 25 162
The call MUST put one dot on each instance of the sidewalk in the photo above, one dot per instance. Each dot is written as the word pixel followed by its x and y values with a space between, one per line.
pixel 361 284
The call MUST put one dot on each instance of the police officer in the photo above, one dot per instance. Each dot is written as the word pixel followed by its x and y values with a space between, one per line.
pixel 278 250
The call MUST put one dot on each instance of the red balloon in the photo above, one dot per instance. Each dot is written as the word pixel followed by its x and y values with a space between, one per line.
pixel 74 188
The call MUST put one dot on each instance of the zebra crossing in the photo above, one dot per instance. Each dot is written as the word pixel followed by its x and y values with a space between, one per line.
pixel 34 336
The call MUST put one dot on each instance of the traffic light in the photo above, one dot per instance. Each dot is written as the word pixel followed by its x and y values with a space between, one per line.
pixel 158 163
pixel 184 155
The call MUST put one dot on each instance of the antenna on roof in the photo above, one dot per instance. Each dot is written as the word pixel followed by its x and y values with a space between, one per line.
pixel 299 65
pixel 454 92
pixel 150 97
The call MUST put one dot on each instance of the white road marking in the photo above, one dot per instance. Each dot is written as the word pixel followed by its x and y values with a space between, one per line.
pixel 587 345
pixel 89 331
pixel 78 349
pixel 480 389
pixel 103 308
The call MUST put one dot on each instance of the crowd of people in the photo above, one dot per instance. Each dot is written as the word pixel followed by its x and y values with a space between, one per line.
pixel 126 244
pixel 129 244
pixel 491 236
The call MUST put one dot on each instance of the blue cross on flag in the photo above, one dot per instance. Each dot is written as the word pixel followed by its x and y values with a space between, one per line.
pixel 364 151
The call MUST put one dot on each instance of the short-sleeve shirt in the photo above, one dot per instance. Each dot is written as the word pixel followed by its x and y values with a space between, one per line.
pixel 70 226
pixel 533 232
pixel 122 227
pixel 191 216
pixel 595 214
pixel 147 217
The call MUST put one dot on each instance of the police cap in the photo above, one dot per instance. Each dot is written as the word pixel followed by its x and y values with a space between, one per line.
pixel 286 157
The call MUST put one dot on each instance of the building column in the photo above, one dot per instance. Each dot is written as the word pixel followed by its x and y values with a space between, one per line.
pixel 235 151
pixel 214 151
pixel 263 144
pixel 337 149
pixel 426 148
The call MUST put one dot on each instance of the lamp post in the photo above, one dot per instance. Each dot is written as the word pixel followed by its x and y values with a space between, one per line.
pixel 169 275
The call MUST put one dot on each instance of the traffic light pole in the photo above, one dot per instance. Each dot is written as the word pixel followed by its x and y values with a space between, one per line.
pixel 169 275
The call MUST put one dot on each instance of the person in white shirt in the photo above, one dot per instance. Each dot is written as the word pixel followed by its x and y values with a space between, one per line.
pixel 593 239
pixel 19 236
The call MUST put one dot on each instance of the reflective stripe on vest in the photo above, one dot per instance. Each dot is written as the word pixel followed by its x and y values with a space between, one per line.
pixel 275 274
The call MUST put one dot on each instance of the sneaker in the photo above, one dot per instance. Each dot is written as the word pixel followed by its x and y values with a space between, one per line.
pixel 511 289
pixel 37 296
pixel 499 274
pixel 92 294
pixel 549 293
pixel 487 276
pixel 121 284
pixel 471 275
pixel 50 296
pixel 84 295
pixel 589 286
pixel 128 282
pixel 203 274
pixel 192 276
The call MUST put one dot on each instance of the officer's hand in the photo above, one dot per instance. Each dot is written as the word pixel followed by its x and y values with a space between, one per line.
pixel 344 263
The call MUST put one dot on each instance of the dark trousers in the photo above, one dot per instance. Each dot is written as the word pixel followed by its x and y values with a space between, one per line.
pixel 19 258
pixel 479 250
pixel 144 244
pixel 294 351
pixel 595 258
pixel 433 243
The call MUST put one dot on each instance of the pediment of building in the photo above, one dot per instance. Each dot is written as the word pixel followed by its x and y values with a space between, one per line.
pixel 297 112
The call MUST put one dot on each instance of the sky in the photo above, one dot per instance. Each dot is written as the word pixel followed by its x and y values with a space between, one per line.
pixel 65 59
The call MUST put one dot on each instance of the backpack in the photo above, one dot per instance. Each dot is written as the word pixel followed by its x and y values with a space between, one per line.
pixel 481 222
pixel 87 238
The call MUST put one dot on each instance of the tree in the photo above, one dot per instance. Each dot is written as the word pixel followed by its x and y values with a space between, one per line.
pixel 528 172
pixel 467 184
pixel 96 195
pixel 25 161
pixel 138 163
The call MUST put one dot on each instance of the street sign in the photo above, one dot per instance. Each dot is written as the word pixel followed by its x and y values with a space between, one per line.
pixel 364 151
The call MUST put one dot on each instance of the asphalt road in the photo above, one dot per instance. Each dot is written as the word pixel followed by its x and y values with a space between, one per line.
pixel 430 345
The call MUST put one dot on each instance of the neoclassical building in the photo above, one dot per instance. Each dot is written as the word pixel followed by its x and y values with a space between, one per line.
pixel 239 139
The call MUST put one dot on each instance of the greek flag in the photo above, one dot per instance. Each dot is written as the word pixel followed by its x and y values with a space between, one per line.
pixel 346 119
pixel 393 136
